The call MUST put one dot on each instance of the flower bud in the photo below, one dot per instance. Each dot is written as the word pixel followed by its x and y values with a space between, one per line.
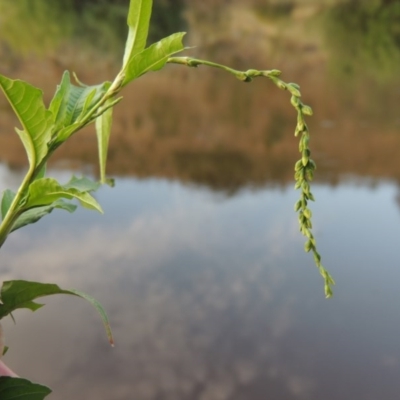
pixel 307 110
pixel 280 84
pixel 298 166
pixel 310 196
pixel 309 174
pixel 307 213
pixel 312 164
pixel 274 72
pixel 308 246
pixel 295 101
pixel 305 187
pixel 294 89
pixel 252 73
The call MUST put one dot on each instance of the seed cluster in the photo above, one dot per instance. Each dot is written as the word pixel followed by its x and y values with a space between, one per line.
pixel 304 174
pixel 304 168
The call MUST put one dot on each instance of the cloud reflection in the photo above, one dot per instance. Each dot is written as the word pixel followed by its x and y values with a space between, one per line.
pixel 194 295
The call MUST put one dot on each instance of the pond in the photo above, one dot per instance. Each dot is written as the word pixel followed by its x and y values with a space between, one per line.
pixel 198 258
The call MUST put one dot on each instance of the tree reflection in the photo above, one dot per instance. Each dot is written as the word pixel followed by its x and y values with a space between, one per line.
pixel 202 127
pixel 42 26
pixel 364 37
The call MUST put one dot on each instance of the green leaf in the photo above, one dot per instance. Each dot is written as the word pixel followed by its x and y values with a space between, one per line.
pixel 67 131
pixel 35 214
pixel 21 389
pixel 71 104
pixel 20 294
pixel 138 22
pixel 82 184
pixel 90 100
pixel 99 309
pixel 57 106
pixel 42 172
pixel 37 122
pixel 154 57
pixel 8 197
pixel 103 131
pixel 45 191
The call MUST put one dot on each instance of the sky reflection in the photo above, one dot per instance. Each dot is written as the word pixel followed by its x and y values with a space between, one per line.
pixel 212 297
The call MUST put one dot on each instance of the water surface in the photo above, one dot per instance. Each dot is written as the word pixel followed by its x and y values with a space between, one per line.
pixel 198 259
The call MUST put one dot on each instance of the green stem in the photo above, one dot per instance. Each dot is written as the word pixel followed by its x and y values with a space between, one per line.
pixel 114 89
pixel 245 76
pixel 13 212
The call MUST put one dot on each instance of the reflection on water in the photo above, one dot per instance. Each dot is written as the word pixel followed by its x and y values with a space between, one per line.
pixel 200 126
pixel 210 294
pixel 364 38
pixel 213 298
pixel 48 25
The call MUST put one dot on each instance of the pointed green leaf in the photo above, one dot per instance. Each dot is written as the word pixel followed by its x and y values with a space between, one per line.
pixel 154 57
pixel 8 197
pixel 103 131
pixel 67 131
pixel 27 103
pixel 138 22
pixel 20 294
pixel 21 389
pixel 99 309
pixel 71 103
pixel 82 99
pixel 82 184
pixel 57 106
pixel 35 214
pixel 42 172
pixel 45 191
pixel 89 102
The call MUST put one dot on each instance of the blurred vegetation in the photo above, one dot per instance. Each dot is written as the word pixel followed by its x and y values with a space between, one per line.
pixel 363 37
pixel 226 138
pixel 42 26
pixel 223 170
pixel 274 10
pixel 37 26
